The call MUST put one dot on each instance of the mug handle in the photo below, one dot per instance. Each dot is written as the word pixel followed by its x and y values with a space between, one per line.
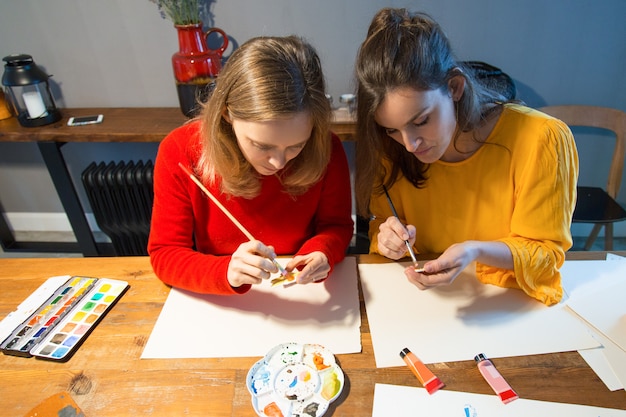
pixel 222 48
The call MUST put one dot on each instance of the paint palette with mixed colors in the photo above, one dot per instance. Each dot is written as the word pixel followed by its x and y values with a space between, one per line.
pixel 286 280
pixel 295 380
pixel 55 327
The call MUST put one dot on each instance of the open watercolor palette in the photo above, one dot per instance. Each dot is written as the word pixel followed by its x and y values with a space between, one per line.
pixel 287 280
pixel 55 319
pixel 294 380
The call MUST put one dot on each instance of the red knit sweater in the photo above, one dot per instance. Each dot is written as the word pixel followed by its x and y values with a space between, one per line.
pixel 191 240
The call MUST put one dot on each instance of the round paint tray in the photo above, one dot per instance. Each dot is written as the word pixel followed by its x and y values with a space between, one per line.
pixel 295 379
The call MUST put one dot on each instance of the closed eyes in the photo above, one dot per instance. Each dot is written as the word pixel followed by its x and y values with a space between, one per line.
pixel 390 131
pixel 267 148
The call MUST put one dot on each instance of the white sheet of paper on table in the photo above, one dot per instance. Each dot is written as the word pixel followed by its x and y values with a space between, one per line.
pixel 395 400
pixel 206 326
pixel 602 303
pixel 598 362
pixel 607 361
pixel 458 321
pixel 595 290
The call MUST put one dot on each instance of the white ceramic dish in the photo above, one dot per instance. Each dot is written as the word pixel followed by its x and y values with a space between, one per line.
pixel 295 379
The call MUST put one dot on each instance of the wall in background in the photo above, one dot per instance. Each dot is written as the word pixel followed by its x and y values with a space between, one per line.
pixel 116 53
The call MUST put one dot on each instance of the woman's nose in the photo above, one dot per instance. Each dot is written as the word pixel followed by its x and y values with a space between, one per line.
pixel 278 159
pixel 410 142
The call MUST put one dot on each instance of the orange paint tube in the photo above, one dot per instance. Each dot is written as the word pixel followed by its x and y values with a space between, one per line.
pixel 425 376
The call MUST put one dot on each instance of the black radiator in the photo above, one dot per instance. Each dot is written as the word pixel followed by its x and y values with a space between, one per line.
pixel 121 197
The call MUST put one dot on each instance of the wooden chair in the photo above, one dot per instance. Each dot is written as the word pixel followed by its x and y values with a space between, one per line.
pixel 594 204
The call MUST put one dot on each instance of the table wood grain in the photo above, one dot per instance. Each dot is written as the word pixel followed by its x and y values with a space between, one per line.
pixel 106 376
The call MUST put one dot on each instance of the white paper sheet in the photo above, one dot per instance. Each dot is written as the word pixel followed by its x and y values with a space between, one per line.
pixel 394 400
pixel 602 304
pixel 197 326
pixel 463 319
pixel 596 293
pixel 579 277
pixel 614 257
pixel 597 361
pixel 607 361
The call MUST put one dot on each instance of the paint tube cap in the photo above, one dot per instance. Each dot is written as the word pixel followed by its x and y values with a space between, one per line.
pixel 480 357
pixel 404 352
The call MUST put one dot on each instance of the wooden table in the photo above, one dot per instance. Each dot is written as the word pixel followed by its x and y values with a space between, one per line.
pixel 136 124
pixel 106 376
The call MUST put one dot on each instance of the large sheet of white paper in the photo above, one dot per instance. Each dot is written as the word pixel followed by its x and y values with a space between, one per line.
pixel 596 293
pixel 394 400
pixel 458 321
pixel 612 370
pixel 579 277
pixel 597 361
pixel 602 303
pixel 205 326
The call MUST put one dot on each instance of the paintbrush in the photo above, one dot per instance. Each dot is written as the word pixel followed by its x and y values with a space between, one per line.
pixel 406 242
pixel 228 214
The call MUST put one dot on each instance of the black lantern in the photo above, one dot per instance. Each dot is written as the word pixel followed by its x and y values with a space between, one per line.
pixel 28 93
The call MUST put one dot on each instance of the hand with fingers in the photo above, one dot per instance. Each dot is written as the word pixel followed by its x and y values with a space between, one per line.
pixel 444 269
pixel 312 267
pixel 392 238
pixel 251 264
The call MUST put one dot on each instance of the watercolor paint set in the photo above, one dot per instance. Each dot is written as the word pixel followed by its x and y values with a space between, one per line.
pixel 55 319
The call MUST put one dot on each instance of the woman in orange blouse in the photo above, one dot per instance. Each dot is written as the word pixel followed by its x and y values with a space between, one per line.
pixel 471 177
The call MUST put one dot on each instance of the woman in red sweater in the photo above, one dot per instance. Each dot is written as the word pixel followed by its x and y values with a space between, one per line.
pixel 262 146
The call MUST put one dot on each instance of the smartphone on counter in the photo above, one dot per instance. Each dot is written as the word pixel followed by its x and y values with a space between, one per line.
pixel 85 120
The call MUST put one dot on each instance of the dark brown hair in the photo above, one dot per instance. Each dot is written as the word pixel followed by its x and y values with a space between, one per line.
pixel 405 49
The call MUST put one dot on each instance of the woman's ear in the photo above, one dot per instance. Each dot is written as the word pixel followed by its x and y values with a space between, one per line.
pixel 226 116
pixel 456 87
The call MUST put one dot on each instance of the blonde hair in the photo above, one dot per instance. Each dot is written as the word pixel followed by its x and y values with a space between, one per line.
pixel 267 78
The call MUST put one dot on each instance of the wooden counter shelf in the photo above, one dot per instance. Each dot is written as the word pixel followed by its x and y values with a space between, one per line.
pixel 120 125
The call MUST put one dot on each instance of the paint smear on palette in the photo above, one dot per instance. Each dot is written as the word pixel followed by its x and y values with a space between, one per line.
pixel 295 379
pixel 287 280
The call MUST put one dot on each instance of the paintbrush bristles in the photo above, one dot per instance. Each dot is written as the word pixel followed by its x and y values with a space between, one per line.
pixel 217 202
